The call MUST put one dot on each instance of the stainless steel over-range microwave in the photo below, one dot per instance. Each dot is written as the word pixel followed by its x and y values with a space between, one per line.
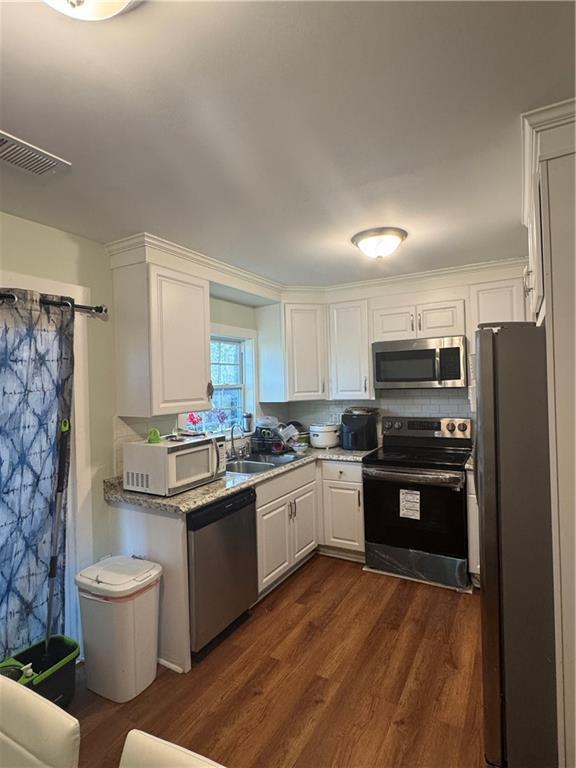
pixel 420 363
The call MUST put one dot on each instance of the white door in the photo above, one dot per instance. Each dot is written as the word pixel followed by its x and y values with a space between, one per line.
pixel 440 318
pixel 305 351
pixel 349 351
pixel 394 323
pixel 498 301
pixel 343 515
pixel 180 341
pixel 304 526
pixel 534 272
pixel 274 532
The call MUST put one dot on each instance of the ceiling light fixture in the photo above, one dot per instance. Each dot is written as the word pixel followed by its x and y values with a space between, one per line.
pixel 380 241
pixel 92 10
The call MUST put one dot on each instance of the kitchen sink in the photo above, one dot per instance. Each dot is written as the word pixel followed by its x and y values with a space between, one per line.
pixel 244 467
pixel 276 460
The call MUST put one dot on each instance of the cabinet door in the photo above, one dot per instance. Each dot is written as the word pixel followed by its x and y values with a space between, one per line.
pixel 534 273
pixel 349 351
pixel 304 524
pixel 343 515
pixel 305 351
pixel 495 302
pixel 440 318
pixel 394 323
pixel 180 341
pixel 274 532
pixel 473 527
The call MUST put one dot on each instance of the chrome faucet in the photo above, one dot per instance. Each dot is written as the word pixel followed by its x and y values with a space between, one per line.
pixel 233 452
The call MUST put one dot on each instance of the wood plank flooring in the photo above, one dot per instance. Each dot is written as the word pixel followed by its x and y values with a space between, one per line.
pixel 337 668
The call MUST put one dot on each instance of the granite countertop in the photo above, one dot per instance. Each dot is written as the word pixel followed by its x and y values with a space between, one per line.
pixel 188 501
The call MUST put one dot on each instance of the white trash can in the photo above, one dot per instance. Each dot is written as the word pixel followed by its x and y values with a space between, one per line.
pixel 119 600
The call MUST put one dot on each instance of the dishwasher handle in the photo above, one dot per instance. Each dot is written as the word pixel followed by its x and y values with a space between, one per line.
pixel 211 513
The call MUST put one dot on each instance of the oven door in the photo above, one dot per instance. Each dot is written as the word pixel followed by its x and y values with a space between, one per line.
pixel 423 363
pixel 416 524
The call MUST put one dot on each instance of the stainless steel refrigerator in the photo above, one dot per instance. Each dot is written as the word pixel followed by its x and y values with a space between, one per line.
pixel 513 486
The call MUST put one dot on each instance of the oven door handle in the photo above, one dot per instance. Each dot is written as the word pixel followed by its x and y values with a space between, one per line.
pixel 444 478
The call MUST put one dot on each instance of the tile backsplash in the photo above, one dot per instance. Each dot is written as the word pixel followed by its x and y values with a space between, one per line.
pixel 426 402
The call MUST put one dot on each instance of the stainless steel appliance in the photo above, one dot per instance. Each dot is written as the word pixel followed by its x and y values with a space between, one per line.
pixel 513 484
pixel 420 363
pixel 358 430
pixel 415 513
pixel 173 464
pixel 222 565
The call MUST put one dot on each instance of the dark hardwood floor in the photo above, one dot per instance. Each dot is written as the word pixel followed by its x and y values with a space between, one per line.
pixel 337 668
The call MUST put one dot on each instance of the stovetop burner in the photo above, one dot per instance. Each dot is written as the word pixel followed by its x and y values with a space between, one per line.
pixel 428 444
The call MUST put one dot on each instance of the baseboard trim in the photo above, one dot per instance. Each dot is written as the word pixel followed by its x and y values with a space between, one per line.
pixel 341 554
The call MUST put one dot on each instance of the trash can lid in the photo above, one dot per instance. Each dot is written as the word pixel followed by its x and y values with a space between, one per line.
pixel 118 576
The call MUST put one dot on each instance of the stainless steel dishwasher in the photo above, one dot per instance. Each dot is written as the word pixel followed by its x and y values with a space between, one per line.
pixel 222 565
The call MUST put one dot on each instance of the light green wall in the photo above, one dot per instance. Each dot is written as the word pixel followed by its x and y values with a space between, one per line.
pixel 34 249
pixel 228 313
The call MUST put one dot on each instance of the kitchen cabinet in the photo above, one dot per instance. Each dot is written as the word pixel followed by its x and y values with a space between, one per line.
pixel 162 334
pixel 349 350
pixel 287 533
pixel 342 505
pixel 494 302
pixel 413 321
pixel 473 526
pixel 343 515
pixel 292 352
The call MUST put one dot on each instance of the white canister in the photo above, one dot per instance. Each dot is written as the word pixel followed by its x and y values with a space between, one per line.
pixel 324 435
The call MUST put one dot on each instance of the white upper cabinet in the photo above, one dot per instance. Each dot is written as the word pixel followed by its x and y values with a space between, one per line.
pixel 305 351
pixel 496 302
pixel 439 318
pixel 394 323
pixel 349 351
pixel 292 352
pixel 162 341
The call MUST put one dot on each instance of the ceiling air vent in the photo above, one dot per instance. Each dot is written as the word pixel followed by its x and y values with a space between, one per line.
pixel 29 158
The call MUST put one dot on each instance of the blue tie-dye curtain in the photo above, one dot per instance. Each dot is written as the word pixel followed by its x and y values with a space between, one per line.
pixel 36 372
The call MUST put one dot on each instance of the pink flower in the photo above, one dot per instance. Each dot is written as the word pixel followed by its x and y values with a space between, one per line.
pixel 194 419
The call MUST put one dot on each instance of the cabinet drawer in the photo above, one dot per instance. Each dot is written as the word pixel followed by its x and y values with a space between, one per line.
pixel 270 490
pixel 347 471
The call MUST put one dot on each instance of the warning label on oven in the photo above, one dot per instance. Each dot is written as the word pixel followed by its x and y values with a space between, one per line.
pixel 410 504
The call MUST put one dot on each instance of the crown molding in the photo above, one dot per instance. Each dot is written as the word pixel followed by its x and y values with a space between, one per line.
pixel 119 250
pixel 534 123
pixel 479 267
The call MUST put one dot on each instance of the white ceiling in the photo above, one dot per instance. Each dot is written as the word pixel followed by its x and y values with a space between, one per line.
pixel 265 134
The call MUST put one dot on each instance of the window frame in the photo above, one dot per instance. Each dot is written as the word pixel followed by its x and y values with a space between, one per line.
pixel 242 377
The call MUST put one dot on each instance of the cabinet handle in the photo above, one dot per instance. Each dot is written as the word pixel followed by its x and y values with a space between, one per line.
pixel 290 510
pixel 323 386
pixel 419 321
pixel 411 322
pixel 210 390
pixel 526 280
pixel 295 508
pixel 359 499
pixel 365 383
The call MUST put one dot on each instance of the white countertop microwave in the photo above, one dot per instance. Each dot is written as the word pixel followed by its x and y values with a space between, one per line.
pixel 173 465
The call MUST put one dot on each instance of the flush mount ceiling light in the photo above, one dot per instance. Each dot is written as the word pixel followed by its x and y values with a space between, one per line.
pixel 380 241
pixel 92 10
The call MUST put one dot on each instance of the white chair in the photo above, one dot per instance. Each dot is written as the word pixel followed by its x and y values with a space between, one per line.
pixel 34 733
pixel 144 751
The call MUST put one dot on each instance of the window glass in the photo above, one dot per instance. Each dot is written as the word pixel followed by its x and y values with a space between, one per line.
pixel 227 371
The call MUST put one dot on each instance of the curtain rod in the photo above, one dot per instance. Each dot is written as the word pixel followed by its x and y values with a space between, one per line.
pixel 99 310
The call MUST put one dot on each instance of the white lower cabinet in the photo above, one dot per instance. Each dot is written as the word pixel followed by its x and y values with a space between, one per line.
pixel 473 526
pixel 287 533
pixel 343 515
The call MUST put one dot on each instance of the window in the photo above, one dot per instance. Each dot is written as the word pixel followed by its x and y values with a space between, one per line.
pixel 232 372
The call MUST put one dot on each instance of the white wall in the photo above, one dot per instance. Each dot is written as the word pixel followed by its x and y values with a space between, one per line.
pixel 34 249
pixel 229 313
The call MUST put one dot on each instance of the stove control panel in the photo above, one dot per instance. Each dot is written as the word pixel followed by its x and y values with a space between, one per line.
pixel 419 427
